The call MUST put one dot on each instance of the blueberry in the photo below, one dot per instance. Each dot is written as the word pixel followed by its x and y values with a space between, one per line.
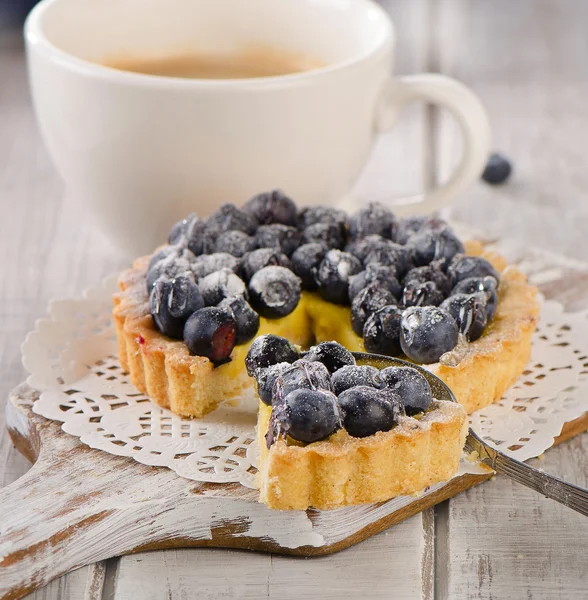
pixel 263 257
pixel 331 354
pixel 302 374
pixel 220 285
pixel 393 255
pixel 269 350
pixel 306 416
pixel 329 234
pixel 275 292
pixel 310 215
pixel 178 232
pixel 272 207
pixel 486 286
pixel 408 226
pixel 352 375
pixel 432 273
pixel 498 169
pixel 247 319
pixel 229 217
pixel 211 263
pixel 211 332
pixel 332 276
pixel 381 332
pixel 200 237
pixel 175 261
pixel 184 297
pixel 266 378
pixel 463 267
pixel 305 262
pixel 469 312
pixel 430 245
pixel 412 387
pixel 159 308
pixel 426 333
pixel 368 301
pixel 234 242
pixel 378 276
pixel 283 237
pixel 360 248
pixel 373 218
pixel 367 410
pixel 421 294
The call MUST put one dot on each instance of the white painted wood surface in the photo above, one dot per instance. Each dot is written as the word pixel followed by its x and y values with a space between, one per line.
pixel 528 60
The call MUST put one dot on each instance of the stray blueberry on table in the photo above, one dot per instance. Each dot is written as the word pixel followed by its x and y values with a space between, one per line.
pixel 234 242
pixel 263 257
pixel 381 332
pixel 430 245
pixel 272 207
pixel 426 333
pixel 332 276
pixel 283 237
pixel 247 319
pixel 329 234
pixel 367 410
pixel 498 169
pixel 463 267
pixel 373 218
pixel 305 262
pixel 211 263
pixel 307 416
pixel 229 217
pixel 310 215
pixel 469 312
pixel 266 378
pixel 211 332
pixel 353 375
pixel 411 386
pixel 421 294
pixel 302 374
pixel 432 273
pixel 220 285
pixel 274 292
pixel 331 354
pixel 368 301
pixel 480 285
pixel 376 276
pixel 269 350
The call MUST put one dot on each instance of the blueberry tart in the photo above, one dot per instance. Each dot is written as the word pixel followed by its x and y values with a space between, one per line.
pixel 186 315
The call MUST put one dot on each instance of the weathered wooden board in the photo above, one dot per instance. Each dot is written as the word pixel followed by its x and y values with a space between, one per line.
pixel 77 506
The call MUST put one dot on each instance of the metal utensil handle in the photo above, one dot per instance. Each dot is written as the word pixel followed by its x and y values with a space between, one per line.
pixel 565 493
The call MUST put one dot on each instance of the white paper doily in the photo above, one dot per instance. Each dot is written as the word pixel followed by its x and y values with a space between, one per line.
pixel 71 359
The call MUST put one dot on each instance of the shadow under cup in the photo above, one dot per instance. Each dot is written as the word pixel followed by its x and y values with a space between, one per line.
pixel 142 151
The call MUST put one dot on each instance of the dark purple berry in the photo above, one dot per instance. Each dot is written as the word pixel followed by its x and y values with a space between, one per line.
pixel 393 255
pixel 412 387
pixel 430 273
pixel 274 291
pixel 329 234
pixel 174 262
pixel 426 333
pixel 381 332
pixel 159 308
pixel 484 285
pixel 234 242
pixel 282 237
pixel 373 218
pixel 246 318
pixel 361 247
pixel 469 312
pixel 332 276
pixel 269 350
pixel 352 375
pixel 211 332
pixel 378 276
pixel 302 374
pixel 184 296
pixel 368 301
pixel 429 245
pixel 220 285
pixel 177 233
pixel 463 267
pixel 305 262
pixel 310 215
pixel 331 354
pixel 408 226
pixel 272 207
pixel 200 237
pixel 367 410
pixel 211 263
pixel 498 169
pixel 421 294
pixel 266 379
pixel 263 257
pixel 229 217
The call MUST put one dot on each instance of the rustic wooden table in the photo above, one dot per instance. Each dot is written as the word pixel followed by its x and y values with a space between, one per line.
pixel 529 63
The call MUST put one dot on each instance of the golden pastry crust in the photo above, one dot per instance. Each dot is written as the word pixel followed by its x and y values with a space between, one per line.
pixel 344 470
pixel 189 385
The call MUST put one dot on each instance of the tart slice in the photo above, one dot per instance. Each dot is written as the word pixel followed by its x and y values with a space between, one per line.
pixel 335 432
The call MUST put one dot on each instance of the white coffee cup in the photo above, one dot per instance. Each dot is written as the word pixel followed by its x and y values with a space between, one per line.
pixel 142 151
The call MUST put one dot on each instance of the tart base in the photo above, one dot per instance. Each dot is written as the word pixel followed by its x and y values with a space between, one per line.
pixel 191 386
pixel 344 470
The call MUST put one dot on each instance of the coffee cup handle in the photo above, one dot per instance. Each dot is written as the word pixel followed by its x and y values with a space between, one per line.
pixel 468 111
